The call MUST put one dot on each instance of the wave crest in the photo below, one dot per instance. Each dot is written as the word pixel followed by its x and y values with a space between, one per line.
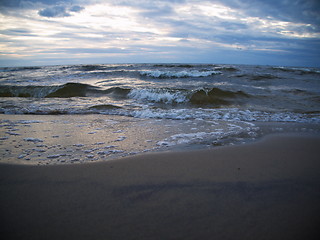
pixel 158 95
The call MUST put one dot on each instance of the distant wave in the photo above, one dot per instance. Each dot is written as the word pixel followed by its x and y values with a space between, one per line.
pixel 298 70
pixel 258 77
pixel 174 65
pixel 178 74
pixel 226 68
pixel 14 69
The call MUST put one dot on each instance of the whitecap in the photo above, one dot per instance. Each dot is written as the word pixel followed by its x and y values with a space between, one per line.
pixel 158 95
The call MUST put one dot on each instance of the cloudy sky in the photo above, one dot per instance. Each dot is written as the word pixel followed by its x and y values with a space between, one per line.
pixel 272 32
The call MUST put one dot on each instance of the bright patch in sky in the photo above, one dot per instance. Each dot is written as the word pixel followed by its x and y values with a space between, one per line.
pixel 231 31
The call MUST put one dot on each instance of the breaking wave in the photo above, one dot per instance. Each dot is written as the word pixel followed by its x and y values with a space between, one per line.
pixel 215 96
pixel 158 95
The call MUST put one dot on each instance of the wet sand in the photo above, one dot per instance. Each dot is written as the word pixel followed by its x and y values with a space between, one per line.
pixel 269 189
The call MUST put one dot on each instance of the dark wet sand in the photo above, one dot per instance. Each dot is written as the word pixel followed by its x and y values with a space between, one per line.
pixel 266 190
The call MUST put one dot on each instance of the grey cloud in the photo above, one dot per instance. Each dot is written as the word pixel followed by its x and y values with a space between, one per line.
pixel 56 11
pixel 233 25
pixel 298 11
pixel 48 8
pixel 76 8
pixel 17 32
pixel 18 3
pixel 303 11
pixel 59 11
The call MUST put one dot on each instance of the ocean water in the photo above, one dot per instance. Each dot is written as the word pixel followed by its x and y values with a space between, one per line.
pixel 185 105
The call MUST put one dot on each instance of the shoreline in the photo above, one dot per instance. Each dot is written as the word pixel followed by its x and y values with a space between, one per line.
pixel 69 139
pixel 268 189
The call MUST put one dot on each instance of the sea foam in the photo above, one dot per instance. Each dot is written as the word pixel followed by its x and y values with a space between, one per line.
pixel 157 95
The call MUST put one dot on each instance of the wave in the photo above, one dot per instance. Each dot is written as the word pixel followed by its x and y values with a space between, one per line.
pixel 59 91
pixel 14 69
pixel 227 114
pixel 216 96
pixel 27 91
pixel 258 77
pixel 300 92
pixel 103 107
pixel 85 90
pixel 100 67
pixel 72 90
pixel 178 74
pixel 174 65
pixel 158 95
pixel 213 96
pixel 67 90
pixel 212 114
pixel 298 70
pixel 226 68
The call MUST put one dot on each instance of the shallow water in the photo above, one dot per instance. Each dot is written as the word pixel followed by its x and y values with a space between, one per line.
pixel 66 139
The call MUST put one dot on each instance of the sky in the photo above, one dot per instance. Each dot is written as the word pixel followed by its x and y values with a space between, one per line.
pixel 57 32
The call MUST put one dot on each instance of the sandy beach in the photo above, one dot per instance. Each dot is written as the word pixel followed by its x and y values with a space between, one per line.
pixel 263 190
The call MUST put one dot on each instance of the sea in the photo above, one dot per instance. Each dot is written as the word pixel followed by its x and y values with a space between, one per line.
pixel 127 109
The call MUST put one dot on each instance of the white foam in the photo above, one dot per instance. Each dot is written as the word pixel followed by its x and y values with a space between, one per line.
pixel 198 137
pixel 121 138
pixel 165 143
pixel 29 121
pixel 78 145
pixel 157 95
pixel 33 140
pixel 110 146
pixel 118 131
pixel 13 133
pixel 227 114
pixel 109 152
pixel 39 150
pixel 115 151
